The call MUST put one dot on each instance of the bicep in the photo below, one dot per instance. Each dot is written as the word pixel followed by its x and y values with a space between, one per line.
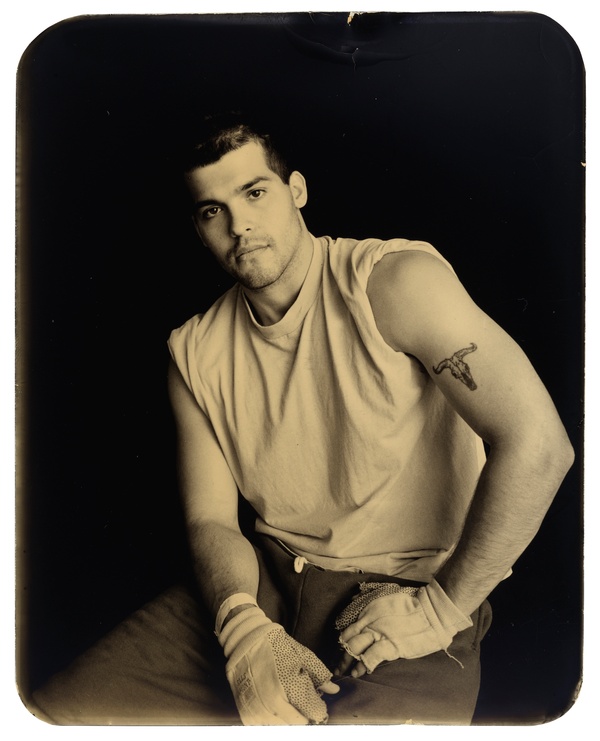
pixel 208 488
pixel 423 310
pixel 487 377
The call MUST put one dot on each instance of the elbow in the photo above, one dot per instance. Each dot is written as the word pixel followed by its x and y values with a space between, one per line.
pixel 555 454
pixel 541 452
pixel 566 455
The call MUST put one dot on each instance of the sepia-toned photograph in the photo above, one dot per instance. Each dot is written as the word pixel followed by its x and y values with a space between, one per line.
pixel 300 370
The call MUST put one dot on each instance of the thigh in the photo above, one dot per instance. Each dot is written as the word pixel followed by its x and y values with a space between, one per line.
pixel 162 665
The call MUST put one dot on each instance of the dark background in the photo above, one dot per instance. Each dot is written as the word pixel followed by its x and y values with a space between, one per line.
pixel 465 130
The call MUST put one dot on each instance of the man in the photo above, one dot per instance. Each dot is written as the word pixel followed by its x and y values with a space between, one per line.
pixel 343 388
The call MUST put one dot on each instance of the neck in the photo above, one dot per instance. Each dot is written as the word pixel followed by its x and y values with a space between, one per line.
pixel 270 304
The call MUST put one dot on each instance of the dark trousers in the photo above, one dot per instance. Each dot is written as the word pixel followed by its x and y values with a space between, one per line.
pixel 163 665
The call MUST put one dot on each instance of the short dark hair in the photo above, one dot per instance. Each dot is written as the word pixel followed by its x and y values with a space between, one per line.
pixel 223 133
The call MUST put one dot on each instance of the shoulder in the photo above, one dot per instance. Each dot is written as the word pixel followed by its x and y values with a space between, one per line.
pixel 197 346
pixel 201 323
pixel 409 292
pixel 201 338
pixel 410 271
pixel 361 258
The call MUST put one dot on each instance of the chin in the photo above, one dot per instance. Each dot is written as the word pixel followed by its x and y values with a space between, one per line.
pixel 258 284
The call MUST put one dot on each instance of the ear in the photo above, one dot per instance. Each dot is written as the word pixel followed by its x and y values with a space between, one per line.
pixel 299 190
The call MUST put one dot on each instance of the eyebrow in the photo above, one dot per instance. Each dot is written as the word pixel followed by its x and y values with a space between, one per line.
pixel 240 189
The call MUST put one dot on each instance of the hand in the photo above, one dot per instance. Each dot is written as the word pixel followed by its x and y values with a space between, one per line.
pixel 274 679
pixel 387 622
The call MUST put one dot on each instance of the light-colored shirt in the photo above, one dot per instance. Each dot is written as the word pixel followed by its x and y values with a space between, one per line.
pixel 347 450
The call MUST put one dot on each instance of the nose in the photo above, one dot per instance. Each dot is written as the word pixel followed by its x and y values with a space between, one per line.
pixel 239 221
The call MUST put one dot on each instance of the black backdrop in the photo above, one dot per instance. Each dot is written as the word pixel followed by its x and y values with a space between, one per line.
pixel 465 130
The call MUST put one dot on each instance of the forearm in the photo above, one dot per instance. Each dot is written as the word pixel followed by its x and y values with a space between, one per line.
pixel 224 562
pixel 274 679
pixel 515 489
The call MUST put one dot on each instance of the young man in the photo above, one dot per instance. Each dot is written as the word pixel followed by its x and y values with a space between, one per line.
pixel 343 388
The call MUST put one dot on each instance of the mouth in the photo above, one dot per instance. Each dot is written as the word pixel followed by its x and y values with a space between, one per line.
pixel 248 250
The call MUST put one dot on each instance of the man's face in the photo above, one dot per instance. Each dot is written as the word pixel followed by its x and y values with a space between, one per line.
pixel 247 216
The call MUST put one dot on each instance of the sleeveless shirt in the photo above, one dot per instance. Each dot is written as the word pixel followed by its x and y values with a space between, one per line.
pixel 346 449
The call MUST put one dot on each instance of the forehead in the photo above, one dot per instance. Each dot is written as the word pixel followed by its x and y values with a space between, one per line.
pixel 229 174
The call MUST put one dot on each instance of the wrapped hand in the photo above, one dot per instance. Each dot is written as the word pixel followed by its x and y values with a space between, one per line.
pixel 274 679
pixel 385 622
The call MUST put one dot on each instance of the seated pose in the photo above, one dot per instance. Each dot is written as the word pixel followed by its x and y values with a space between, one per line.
pixel 344 389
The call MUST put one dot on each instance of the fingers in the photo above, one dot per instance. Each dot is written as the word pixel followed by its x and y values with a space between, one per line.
pixel 358 644
pixel 369 649
pixel 359 670
pixel 307 699
pixel 380 651
pixel 344 665
pixel 359 648
pixel 351 631
pixel 329 688
pixel 311 664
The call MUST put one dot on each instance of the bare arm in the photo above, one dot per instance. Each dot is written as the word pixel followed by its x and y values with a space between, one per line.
pixel 422 309
pixel 224 560
pixel 226 565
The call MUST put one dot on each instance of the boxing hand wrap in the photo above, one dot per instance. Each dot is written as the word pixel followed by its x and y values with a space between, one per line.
pixel 274 679
pixel 237 599
pixel 387 622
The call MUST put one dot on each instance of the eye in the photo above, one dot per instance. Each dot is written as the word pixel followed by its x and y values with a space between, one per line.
pixel 256 193
pixel 210 212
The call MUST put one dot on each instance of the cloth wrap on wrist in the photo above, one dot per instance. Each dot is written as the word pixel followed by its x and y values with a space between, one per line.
pixel 274 679
pixel 235 600
pixel 388 621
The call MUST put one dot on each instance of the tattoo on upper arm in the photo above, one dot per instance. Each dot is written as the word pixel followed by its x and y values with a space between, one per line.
pixel 457 366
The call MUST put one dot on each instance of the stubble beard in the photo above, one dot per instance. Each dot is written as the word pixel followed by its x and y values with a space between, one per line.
pixel 258 277
pixel 251 274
